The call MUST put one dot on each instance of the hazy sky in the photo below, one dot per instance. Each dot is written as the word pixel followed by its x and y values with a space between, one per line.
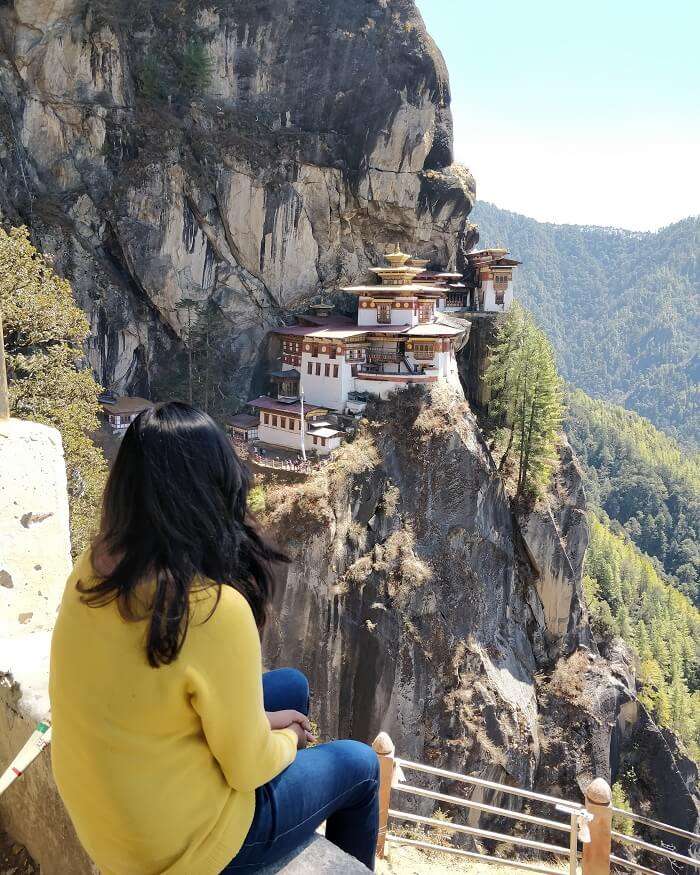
pixel 573 111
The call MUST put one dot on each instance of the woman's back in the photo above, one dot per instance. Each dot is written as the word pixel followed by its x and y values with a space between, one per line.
pixel 142 756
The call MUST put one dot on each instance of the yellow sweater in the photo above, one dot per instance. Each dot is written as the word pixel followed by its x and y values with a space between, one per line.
pixel 158 767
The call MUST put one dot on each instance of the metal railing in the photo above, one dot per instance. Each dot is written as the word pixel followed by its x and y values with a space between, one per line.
pixel 589 824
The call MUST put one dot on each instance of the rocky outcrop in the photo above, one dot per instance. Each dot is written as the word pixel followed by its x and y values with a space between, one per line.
pixel 555 535
pixel 419 603
pixel 404 601
pixel 320 133
pixel 592 725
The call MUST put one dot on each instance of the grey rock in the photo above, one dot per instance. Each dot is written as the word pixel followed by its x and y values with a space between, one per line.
pixel 318 856
pixel 288 173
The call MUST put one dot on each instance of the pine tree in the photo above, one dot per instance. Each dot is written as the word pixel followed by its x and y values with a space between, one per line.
pixel 527 399
pixel 49 381
pixel 195 67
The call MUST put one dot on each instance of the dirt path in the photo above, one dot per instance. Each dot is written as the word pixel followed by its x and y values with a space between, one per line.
pixel 414 861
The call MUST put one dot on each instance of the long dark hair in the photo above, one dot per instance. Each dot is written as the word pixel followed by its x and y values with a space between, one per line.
pixel 175 512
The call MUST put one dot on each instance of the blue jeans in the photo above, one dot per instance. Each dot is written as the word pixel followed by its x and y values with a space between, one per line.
pixel 336 782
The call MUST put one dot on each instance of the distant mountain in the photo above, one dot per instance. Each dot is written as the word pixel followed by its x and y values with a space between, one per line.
pixel 621 308
pixel 642 480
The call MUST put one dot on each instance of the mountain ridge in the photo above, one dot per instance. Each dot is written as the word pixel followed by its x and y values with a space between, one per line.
pixel 620 307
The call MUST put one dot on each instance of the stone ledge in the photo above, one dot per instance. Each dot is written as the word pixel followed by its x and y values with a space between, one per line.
pixel 318 856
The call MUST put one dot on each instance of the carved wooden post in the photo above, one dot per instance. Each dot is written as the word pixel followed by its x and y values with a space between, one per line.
pixel 596 853
pixel 384 748
pixel 4 395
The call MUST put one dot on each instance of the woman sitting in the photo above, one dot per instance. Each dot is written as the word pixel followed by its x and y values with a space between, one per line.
pixel 172 751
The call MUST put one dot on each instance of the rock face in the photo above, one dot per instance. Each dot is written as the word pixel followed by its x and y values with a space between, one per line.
pixel 318 856
pixel 279 172
pixel 418 603
pixel 406 601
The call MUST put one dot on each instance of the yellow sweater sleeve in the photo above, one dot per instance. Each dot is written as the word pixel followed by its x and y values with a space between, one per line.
pixel 225 685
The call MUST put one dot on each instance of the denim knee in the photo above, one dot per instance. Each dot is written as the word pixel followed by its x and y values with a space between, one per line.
pixel 296 688
pixel 357 759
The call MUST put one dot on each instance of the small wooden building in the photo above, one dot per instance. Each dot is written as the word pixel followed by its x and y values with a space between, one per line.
pixel 124 410
pixel 243 427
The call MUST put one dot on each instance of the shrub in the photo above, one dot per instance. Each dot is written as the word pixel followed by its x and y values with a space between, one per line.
pixel 195 67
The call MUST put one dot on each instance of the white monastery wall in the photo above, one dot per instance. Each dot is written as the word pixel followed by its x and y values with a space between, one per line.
pixel 326 391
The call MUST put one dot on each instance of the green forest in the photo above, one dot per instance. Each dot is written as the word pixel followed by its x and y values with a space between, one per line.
pixel 628 597
pixel 644 481
pixel 620 308
pixel 642 566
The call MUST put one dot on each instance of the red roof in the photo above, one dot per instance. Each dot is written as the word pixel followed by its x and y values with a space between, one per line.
pixel 127 405
pixel 294 409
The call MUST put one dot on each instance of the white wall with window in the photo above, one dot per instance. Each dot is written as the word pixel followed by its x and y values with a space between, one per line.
pixel 326 381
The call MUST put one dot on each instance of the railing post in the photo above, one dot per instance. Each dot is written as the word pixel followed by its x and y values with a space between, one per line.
pixel 596 853
pixel 384 748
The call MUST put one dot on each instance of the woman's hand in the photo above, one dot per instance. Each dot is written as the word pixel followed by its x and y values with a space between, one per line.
pixel 294 720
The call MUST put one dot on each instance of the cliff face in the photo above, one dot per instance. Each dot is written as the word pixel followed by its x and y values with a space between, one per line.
pixel 410 598
pixel 321 133
pixel 419 604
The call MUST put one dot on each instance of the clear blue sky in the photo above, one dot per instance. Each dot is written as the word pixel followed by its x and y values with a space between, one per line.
pixel 573 111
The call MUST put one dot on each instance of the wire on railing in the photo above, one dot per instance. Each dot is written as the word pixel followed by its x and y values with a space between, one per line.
pixel 482 806
pixel 481 782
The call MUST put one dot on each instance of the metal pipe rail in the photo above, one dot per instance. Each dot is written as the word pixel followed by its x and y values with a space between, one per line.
pixel 490 785
pixel 482 806
pixel 481 833
pixel 618 861
pixel 656 824
pixel 655 849
pixel 472 855
pixel 591 824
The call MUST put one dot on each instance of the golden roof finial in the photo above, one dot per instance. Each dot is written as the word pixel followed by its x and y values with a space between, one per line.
pixel 397 258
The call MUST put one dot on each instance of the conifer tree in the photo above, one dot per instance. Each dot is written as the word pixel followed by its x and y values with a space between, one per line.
pixel 49 381
pixel 527 399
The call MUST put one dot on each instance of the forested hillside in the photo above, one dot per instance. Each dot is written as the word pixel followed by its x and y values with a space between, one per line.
pixel 621 309
pixel 644 480
pixel 627 597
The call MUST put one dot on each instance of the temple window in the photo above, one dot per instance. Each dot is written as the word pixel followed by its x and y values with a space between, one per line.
pixel 310 368
pixel 274 421
pixel 383 313
pixel 326 370
pixel 335 370
pixel 423 350
pixel 318 369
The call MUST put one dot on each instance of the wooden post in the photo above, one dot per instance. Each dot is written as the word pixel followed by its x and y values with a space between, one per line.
pixel 384 748
pixel 596 853
pixel 4 394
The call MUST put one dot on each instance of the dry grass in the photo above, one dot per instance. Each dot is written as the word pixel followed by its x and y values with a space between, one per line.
pixel 390 500
pixel 568 680
pixel 406 860
pixel 299 510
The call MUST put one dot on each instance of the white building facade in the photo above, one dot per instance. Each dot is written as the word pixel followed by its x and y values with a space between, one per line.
pixel 403 335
